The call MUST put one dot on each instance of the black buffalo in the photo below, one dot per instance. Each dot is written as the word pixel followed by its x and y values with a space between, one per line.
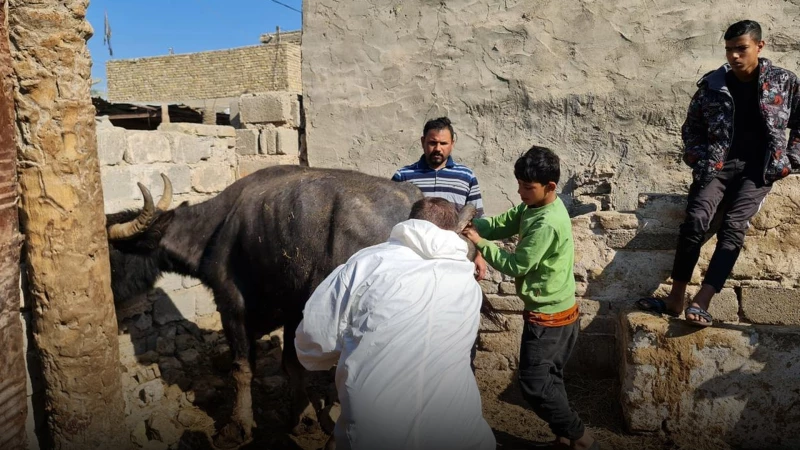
pixel 262 246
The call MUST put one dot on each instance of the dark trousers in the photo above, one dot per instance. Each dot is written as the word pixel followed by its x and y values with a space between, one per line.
pixel 741 193
pixel 543 354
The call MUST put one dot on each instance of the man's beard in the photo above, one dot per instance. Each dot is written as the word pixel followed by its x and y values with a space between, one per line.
pixel 435 158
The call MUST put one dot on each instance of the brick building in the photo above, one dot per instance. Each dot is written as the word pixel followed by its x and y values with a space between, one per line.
pixel 208 79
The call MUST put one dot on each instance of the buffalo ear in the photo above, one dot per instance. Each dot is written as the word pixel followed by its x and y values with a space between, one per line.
pixel 465 216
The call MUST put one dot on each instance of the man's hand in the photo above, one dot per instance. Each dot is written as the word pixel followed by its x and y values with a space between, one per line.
pixel 472 234
pixel 480 267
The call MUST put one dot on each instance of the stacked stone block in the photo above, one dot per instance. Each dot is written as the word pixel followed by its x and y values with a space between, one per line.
pixel 675 377
pixel 270 129
pixel 172 347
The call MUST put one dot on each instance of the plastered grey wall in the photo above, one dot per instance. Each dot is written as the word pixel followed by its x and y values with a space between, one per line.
pixel 605 84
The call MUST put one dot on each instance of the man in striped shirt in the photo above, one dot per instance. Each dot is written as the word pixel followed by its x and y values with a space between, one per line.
pixel 437 175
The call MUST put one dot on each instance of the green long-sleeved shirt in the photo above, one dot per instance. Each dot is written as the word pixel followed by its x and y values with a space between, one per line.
pixel 542 265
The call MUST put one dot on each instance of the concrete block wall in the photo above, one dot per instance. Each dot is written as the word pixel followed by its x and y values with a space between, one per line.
pixel 172 348
pixel 271 124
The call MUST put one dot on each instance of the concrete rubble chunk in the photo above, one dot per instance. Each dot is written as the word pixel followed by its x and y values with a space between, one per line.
pixel 190 149
pixel 111 145
pixel 209 179
pixel 771 306
pixel 247 142
pixel 612 220
pixel 683 379
pixel 145 147
pixel 288 142
pixel 268 140
pixel 270 107
pixel 162 428
pixel 151 392
pixel 663 210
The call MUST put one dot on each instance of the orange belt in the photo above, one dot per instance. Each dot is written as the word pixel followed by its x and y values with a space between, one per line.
pixel 558 319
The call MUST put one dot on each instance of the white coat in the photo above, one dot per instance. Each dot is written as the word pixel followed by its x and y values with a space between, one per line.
pixel 400 319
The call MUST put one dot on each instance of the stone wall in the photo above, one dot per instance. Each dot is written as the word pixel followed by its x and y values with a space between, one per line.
pixel 174 355
pixel 732 380
pixel 205 75
pixel 605 84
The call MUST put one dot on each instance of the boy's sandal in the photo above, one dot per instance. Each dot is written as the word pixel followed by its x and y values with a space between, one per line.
pixel 655 305
pixel 708 320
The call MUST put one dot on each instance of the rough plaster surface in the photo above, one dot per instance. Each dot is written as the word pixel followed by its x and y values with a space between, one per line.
pixel 66 251
pixel 605 84
pixel 737 384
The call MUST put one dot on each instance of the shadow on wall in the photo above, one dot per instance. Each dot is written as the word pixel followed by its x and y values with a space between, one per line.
pixel 178 385
pixel 741 387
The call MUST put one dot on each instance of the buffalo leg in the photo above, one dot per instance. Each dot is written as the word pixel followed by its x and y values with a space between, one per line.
pixel 240 430
pixel 302 411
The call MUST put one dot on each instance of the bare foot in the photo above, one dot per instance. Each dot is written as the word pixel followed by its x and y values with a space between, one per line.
pixel 586 442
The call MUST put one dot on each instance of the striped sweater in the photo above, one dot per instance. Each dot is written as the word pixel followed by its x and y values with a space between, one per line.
pixel 453 182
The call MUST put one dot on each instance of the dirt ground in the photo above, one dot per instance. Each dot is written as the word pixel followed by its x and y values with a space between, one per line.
pixel 515 426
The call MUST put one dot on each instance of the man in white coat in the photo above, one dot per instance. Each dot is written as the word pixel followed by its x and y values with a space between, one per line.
pixel 400 319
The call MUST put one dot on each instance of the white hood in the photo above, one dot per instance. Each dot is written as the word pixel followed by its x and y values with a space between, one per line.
pixel 428 240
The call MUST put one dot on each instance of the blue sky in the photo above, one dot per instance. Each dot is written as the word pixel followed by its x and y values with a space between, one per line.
pixel 142 28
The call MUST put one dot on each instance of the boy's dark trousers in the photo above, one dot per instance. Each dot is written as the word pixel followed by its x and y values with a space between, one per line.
pixel 543 354
pixel 743 192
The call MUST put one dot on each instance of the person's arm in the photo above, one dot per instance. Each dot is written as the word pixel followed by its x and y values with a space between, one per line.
pixel 318 339
pixel 474 197
pixel 793 149
pixel 502 226
pixel 531 251
pixel 695 132
pixel 398 177
pixel 480 267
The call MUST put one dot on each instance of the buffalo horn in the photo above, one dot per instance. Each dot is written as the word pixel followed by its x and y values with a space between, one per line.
pixel 137 225
pixel 166 196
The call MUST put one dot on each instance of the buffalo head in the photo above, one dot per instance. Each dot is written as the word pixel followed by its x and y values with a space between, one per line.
pixel 133 244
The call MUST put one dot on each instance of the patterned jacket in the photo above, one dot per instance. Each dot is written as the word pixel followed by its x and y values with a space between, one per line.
pixel 708 130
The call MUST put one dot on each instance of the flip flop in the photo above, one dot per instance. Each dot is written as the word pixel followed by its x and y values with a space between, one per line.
pixel 699 312
pixel 655 305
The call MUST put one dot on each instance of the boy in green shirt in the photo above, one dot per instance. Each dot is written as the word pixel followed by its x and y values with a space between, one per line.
pixel 542 271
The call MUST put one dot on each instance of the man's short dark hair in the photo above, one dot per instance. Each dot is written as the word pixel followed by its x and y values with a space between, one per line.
pixel 539 164
pixel 743 27
pixel 437 211
pixel 442 123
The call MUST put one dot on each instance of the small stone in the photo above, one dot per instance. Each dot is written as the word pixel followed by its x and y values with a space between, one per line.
pixel 185 342
pixel 143 322
pixel 149 357
pixel 274 383
pixel 139 434
pixel 151 392
pixel 188 356
pixel 162 428
pixel 194 418
pixel 165 346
